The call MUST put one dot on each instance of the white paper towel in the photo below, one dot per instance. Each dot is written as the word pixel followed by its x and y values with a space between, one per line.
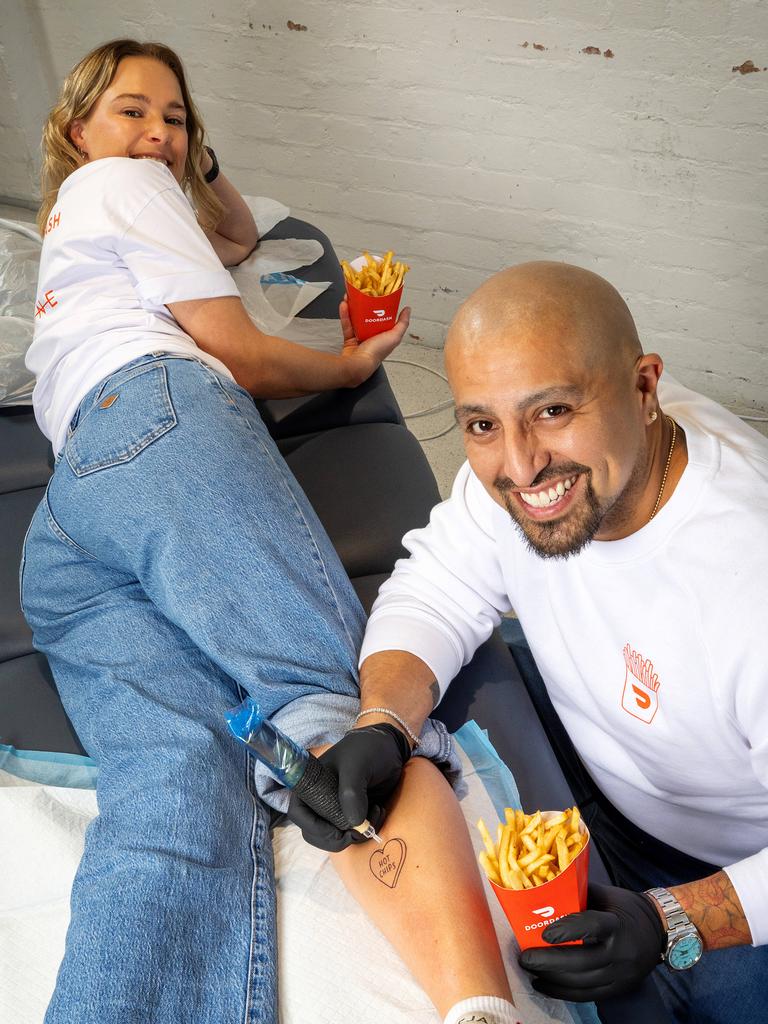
pixel 330 954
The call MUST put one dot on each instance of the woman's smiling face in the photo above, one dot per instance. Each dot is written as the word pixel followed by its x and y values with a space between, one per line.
pixel 141 115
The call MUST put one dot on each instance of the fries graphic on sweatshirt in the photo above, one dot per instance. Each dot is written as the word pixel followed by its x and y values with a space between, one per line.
pixel 378 276
pixel 529 850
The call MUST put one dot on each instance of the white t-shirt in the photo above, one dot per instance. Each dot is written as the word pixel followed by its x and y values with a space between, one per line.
pixel 121 242
pixel 649 646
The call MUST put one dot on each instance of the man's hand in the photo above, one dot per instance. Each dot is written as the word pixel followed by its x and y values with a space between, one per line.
pixel 368 763
pixel 624 939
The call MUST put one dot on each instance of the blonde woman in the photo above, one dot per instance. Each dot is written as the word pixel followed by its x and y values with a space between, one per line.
pixel 174 565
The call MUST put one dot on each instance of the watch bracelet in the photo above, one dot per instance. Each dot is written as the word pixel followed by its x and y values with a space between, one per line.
pixel 677 921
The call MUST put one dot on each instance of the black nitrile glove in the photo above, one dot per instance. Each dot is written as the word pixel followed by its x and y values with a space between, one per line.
pixel 624 939
pixel 368 763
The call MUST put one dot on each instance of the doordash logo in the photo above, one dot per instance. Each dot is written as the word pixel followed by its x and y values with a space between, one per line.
pixel 640 697
pixel 548 917
pixel 378 316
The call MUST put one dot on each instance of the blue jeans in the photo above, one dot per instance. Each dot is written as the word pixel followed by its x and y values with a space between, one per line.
pixel 174 565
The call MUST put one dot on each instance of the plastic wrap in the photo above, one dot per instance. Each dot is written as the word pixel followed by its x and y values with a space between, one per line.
pixel 272 296
pixel 19 262
pixel 285 759
pixel 292 765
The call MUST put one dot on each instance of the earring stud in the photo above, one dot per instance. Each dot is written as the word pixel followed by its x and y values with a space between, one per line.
pixel 654 416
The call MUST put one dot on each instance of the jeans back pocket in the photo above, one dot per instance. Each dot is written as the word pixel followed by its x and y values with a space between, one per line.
pixel 126 418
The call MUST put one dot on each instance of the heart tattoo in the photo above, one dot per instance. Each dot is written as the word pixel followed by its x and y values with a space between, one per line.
pixel 387 863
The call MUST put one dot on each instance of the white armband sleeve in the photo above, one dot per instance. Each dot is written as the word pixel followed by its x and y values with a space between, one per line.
pixel 750 880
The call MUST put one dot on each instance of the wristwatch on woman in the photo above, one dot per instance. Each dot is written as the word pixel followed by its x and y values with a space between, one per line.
pixel 684 944
pixel 213 173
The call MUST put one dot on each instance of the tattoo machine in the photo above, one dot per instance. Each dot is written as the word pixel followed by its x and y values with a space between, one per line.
pixel 292 765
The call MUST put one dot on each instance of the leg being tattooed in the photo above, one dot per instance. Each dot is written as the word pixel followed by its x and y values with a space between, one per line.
pixel 423 890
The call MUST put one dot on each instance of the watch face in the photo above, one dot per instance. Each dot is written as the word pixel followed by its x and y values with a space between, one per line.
pixel 685 952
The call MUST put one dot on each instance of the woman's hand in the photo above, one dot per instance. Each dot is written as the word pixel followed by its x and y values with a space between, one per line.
pixel 368 355
pixel 271 367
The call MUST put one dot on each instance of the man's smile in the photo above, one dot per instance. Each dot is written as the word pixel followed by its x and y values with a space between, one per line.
pixel 548 500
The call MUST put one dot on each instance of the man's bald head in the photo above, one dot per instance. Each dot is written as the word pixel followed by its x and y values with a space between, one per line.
pixel 543 303
pixel 557 404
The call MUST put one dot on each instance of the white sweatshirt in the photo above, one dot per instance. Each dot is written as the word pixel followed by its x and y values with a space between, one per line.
pixel 649 646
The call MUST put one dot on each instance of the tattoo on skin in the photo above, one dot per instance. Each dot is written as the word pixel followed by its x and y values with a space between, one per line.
pixel 713 906
pixel 387 862
pixel 434 692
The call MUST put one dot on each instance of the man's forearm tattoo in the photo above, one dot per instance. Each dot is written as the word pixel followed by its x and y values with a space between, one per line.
pixel 715 909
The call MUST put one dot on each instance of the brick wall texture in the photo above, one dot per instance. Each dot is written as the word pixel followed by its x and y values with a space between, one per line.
pixel 626 136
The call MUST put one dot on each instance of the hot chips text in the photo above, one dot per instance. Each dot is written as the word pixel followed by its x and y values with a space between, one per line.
pixel 529 850
pixel 377 277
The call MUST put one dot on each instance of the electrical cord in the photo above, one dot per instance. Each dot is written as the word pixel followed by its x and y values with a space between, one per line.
pixel 426 412
pixel 449 402
pixel 433 437
pixel 436 373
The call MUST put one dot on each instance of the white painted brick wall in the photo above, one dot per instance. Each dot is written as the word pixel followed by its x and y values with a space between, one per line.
pixel 434 129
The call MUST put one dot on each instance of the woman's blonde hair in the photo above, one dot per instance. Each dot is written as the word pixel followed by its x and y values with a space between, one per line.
pixel 81 89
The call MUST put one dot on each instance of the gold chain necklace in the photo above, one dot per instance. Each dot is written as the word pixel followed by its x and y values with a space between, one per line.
pixel 666 468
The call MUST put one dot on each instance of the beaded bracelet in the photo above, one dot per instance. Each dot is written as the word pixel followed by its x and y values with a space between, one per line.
pixel 387 711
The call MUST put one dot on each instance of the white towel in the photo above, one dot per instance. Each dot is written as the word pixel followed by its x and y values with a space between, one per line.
pixel 43 832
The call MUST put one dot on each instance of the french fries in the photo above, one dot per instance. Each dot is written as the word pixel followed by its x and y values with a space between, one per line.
pixel 377 277
pixel 530 851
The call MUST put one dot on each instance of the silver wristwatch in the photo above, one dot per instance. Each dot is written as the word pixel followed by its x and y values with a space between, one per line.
pixel 684 944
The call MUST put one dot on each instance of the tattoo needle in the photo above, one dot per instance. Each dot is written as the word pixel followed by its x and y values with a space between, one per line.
pixel 291 764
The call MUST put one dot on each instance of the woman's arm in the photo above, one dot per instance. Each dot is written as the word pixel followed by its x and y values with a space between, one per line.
pixel 271 367
pixel 235 236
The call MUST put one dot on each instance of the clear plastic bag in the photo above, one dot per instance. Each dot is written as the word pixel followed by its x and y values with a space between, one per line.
pixel 19 263
pixel 272 296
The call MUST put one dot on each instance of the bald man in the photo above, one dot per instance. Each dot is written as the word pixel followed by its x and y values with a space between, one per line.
pixel 625 523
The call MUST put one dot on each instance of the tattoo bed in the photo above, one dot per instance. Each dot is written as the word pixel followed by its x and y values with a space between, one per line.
pixel 358 463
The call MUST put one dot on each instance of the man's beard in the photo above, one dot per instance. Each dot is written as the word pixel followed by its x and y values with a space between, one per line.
pixel 561 538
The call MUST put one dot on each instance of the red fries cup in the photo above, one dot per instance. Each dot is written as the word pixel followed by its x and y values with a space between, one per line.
pixel 529 911
pixel 371 314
